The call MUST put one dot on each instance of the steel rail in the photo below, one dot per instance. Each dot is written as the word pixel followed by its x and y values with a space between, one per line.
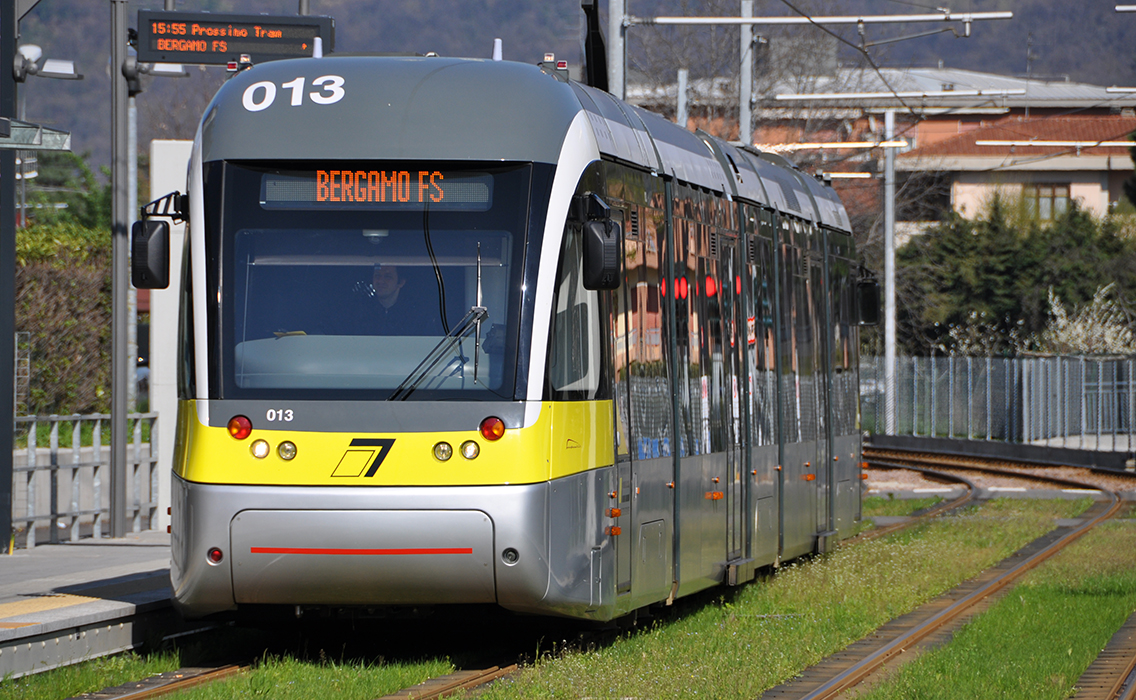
pixel 164 683
pixel 931 512
pixel 947 461
pixel 444 686
pixel 856 673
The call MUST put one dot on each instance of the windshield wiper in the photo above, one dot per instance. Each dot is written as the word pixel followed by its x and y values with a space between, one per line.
pixel 470 322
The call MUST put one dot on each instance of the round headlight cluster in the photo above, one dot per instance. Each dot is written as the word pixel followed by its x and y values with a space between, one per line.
pixel 443 451
pixel 261 449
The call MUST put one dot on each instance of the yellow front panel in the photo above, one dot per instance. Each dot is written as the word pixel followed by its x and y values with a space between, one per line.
pixel 567 438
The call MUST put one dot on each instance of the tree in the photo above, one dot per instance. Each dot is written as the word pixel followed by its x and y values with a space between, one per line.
pixel 68 191
pixel 1097 328
pixel 981 285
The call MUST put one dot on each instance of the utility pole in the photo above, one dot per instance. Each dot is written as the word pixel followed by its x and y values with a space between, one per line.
pixel 120 279
pixel 7 270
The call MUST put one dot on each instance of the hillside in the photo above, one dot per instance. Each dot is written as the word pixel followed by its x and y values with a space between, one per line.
pixel 1091 43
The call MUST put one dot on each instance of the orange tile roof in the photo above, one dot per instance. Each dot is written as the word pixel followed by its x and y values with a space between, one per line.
pixel 1017 128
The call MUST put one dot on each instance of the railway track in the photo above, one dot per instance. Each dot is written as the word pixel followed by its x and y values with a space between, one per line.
pixel 164 683
pixel 185 678
pixel 935 621
pixel 1111 677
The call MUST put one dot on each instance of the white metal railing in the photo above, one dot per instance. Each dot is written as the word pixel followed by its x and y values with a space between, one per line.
pixel 60 466
pixel 1084 403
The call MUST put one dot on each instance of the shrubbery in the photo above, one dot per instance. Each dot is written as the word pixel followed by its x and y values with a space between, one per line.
pixel 63 300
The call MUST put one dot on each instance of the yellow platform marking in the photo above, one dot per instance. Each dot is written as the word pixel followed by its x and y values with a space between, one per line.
pixel 41 604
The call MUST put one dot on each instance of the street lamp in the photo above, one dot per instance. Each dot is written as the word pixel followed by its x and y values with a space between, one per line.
pixel 27 63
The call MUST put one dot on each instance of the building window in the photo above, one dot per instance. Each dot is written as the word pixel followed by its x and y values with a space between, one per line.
pixel 1046 201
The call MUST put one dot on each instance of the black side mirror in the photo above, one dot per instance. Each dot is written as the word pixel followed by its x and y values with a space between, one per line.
pixel 150 254
pixel 601 241
pixel 601 254
pixel 868 302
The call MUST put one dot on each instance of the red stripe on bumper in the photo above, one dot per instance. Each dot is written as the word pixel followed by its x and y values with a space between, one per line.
pixel 359 552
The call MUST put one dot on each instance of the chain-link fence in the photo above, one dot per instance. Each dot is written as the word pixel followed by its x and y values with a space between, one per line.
pixel 1075 402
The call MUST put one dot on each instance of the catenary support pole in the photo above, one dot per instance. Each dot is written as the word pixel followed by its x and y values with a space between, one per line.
pixel 616 53
pixel 745 78
pixel 889 275
pixel 119 277
pixel 680 106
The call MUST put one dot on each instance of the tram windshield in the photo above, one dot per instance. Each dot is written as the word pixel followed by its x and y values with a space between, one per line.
pixel 340 280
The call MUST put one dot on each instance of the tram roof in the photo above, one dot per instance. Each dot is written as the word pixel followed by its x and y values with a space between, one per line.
pixel 435 108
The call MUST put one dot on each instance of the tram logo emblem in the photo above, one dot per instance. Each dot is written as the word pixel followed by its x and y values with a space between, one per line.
pixel 357 461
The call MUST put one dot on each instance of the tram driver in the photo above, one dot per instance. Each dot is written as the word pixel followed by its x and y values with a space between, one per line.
pixel 393 311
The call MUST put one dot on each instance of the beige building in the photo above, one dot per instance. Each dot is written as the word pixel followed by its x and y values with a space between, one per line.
pixel 1049 161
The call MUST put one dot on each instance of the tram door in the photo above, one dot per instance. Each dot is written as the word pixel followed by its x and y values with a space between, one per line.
pixel 621 322
pixel 643 401
pixel 733 330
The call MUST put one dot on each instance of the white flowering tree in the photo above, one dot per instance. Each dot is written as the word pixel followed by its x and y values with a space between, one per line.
pixel 1100 327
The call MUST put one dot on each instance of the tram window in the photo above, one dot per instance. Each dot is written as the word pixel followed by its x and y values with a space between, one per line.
pixel 348 300
pixel 574 354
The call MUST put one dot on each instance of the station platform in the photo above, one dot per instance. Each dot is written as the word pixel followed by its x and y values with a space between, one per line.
pixel 65 602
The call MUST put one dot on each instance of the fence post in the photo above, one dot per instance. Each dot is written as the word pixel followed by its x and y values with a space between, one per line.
pixel 914 396
pixel 76 442
pixel 96 477
pixel 1084 414
pixel 30 538
pixel 969 397
pixel 153 460
pixel 1100 399
pixel 933 406
pixel 951 396
pixel 53 533
pixel 1062 393
pixel 135 468
pixel 1023 396
pixel 989 378
pixel 1132 406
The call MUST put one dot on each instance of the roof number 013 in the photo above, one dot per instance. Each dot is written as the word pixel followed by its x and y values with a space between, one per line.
pixel 260 96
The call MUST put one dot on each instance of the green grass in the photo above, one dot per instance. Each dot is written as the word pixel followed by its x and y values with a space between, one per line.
pixel 287 674
pixel 1037 640
pixel 761 635
pixel 287 677
pixel 877 506
pixel 87 677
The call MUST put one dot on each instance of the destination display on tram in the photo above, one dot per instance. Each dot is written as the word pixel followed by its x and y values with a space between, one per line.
pixel 342 188
pixel 216 39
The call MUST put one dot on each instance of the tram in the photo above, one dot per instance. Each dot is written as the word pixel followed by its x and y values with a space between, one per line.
pixel 626 368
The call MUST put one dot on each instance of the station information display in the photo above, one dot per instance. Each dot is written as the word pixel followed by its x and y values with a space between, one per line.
pixel 216 39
